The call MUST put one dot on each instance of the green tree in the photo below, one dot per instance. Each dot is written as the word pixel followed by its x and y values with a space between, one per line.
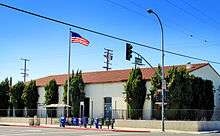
pixel 180 93
pixel 17 102
pixel 51 96
pixel 186 95
pixel 155 85
pixel 209 95
pixel 65 89
pixel 203 90
pixel 4 97
pixel 77 93
pixel 135 90
pixel 30 98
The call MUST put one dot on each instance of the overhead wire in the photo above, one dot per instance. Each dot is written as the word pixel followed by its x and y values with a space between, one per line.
pixel 199 20
pixel 201 12
pixel 180 27
pixel 203 40
pixel 124 7
pixel 104 34
pixel 134 11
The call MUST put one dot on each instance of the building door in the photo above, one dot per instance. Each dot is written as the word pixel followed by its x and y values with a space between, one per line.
pixel 108 107
pixel 86 110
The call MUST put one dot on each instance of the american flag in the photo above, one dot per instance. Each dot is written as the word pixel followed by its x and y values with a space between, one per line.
pixel 76 38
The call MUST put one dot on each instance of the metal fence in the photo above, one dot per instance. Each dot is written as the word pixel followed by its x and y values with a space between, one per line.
pixel 170 114
pixel 154 114
pixel 41 113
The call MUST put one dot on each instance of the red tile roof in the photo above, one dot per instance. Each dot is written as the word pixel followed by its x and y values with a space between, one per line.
pixel 110 76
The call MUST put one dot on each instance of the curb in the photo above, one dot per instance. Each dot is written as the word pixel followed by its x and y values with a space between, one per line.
pixel 134 131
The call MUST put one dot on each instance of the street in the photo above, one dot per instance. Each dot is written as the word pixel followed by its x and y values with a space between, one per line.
pixel 28 131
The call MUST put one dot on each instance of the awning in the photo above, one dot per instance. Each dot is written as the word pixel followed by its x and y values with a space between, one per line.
pixel 56 105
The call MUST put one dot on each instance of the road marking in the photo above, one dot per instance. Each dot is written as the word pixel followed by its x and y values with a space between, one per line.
pixel 20 134
pixel 114 134
pixel 36 130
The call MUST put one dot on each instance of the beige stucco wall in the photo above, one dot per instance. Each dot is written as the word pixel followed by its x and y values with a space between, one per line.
pixel 41 100
pixel 61 91
pixel 147 105
pixel 170 125
pixel 208 72
pixel 25 121
pixel 41 112
pixel 97 92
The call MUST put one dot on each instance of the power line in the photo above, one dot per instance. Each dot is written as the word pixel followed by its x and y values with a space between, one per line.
pixel 182 30
pixel 187 12
pixel 141 14
pixel 124 7
pixel 137 5
pixel 134 11
pixel 106 35
pixel 200 11
pixel 183 10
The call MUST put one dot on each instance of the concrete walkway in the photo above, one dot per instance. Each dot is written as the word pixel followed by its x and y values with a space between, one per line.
pixel 104 128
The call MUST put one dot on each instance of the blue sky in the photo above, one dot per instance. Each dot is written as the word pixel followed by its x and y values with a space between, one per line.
pixel 45 43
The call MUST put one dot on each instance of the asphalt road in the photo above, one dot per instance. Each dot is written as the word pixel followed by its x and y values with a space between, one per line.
pixel 27 131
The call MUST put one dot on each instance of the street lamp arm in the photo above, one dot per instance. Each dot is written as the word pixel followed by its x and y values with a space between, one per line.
pixel 161 25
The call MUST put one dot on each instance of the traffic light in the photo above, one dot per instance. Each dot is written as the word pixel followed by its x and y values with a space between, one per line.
pixel 128 51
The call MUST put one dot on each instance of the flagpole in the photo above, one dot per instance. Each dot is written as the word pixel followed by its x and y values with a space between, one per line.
pixel 68 80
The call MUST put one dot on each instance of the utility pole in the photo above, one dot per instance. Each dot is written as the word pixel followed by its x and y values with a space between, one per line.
pixel 10 98
pixel 24 73
pixel 109 56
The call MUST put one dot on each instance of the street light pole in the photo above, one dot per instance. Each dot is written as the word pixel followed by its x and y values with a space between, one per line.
pixel 150 11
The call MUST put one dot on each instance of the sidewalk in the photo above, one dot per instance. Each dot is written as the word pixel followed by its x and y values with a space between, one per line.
pixel 105 128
